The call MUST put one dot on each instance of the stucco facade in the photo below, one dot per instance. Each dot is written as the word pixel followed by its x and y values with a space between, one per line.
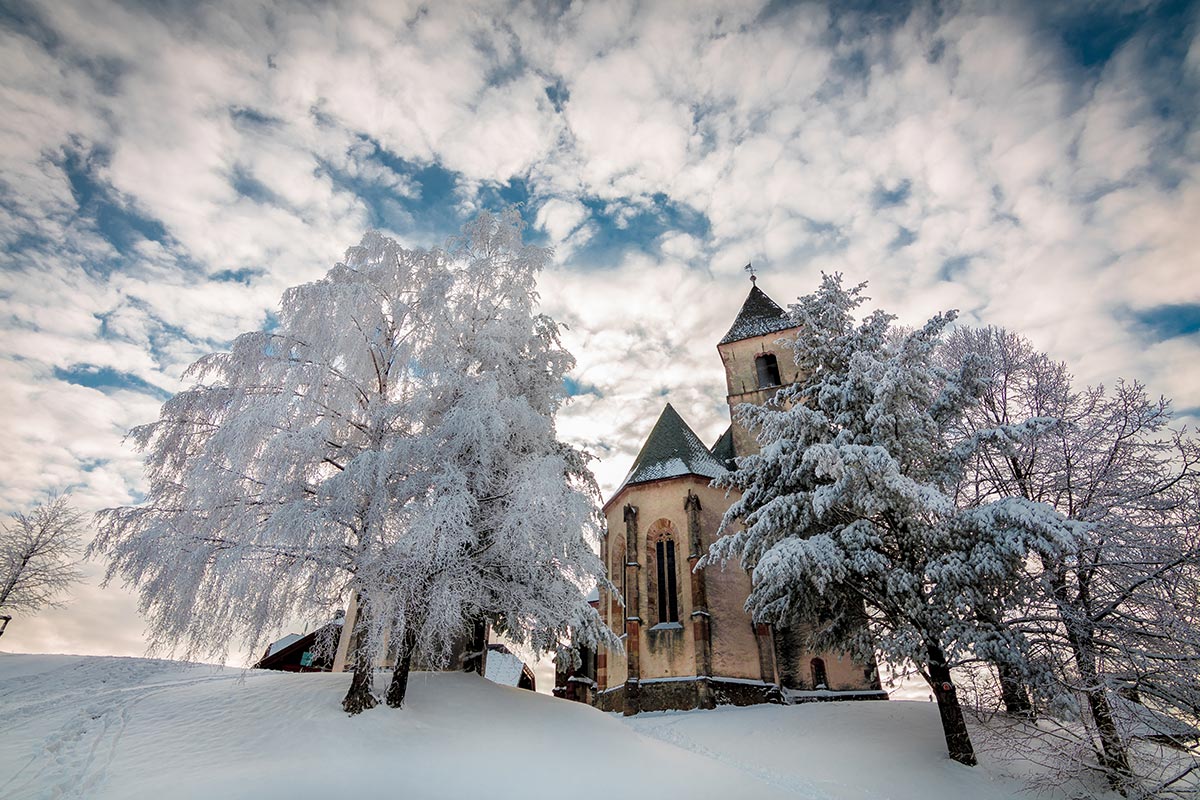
pixel 689 642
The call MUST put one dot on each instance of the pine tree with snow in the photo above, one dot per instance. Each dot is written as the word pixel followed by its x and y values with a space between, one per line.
pixel 392 437
pixel 848 509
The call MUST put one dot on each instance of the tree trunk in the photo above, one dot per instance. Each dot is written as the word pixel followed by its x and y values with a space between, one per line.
pixel 475 659
pixel 1014 693
pixel 360 697
pixel 1113 754
pixel 954 725
pixel 11 583
pixel 398 688
pixel 1081 637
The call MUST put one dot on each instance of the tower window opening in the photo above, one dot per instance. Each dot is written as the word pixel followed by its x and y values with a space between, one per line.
pixel 668 600
pixel 768 370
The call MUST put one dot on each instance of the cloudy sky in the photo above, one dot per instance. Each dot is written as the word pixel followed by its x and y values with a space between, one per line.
pixel 165 172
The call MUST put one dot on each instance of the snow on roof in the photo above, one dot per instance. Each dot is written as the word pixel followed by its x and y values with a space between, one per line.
pixel 503 667
pixel 291 638
pixel 1136 720
pixel 759 316
pixel 671 450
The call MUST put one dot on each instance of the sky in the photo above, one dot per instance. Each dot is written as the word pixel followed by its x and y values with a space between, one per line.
pixel 168 169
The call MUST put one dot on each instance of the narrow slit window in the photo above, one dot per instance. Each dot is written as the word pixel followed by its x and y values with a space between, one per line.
pixel 662 582
pixel 668 594
pixel 768 370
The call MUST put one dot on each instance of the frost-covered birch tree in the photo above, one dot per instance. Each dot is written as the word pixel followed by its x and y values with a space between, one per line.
pixel 507 513
pixel 848 509
pixel 392 437
pixel 1116 612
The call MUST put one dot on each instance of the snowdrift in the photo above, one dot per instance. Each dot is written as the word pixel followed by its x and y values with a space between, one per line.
pixel 91 727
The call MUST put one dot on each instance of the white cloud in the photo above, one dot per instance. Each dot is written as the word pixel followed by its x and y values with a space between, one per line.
pixel 560 218
pixel 955 160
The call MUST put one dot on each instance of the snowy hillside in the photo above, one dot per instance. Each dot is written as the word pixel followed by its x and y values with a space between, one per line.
pixel 75 726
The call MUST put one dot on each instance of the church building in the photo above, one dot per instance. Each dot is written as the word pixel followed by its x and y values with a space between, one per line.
pixel 689 642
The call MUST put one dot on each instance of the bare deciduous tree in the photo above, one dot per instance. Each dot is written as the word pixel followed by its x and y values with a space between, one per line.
pixel 1115 615
pixel 37 557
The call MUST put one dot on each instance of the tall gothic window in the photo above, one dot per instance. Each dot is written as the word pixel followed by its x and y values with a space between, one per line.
pixel 668 591
pixel 768 370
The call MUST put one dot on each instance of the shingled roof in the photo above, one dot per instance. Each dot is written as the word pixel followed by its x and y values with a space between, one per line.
pixel 759 315
pixel 722 449
pixel 672 450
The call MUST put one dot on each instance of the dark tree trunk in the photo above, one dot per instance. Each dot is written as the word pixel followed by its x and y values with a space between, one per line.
pixel 360 697
pixel 1081 637
pixel 954 725
pixel 1014 693
pixel 476 657
pixel 398 688
pixel 1113 754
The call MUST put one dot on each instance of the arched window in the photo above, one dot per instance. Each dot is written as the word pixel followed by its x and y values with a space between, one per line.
pixel 662 578
pixel 768 370
pixel 820 681
pixel 668 592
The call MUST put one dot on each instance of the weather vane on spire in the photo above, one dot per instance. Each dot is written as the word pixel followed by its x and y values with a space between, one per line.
pixel 753 277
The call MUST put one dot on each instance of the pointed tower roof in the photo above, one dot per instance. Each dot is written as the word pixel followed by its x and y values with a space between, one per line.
pixel 759 315
pixel 672 450
pixel 722 449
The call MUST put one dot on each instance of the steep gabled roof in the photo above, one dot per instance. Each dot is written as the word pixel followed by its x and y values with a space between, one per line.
pixel 722 449
pixel 759 315
pixel 672 450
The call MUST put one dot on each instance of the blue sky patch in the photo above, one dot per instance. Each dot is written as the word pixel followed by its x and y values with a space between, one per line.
pixel 1170 321
pixel 576 388
pixel 904 237
pixel 639 226
pixel 558 95
pixel 251 118
pixel 431 209
pixel 884 197
pixel 952 268
pixel 242 276
pixel 250 187
pixel 123 227
pixel 107 379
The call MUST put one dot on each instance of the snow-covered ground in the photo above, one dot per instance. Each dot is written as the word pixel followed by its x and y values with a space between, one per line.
pixel 95 727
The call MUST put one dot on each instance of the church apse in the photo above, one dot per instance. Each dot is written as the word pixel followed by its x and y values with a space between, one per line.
pixel 689 642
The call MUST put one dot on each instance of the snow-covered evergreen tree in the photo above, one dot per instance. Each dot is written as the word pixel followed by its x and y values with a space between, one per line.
pixel 847 512
pixel 394 437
